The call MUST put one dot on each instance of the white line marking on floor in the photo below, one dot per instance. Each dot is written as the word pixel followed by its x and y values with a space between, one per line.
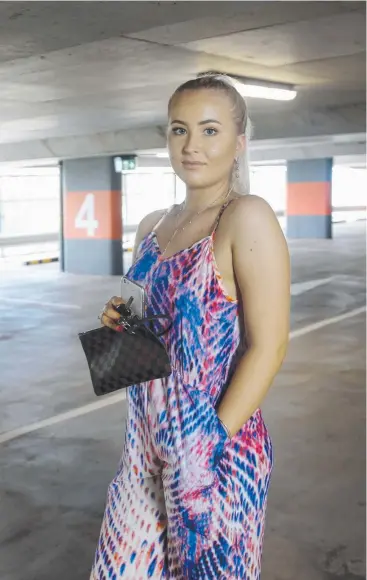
pixel 113 399
pixel 40 303
pixel 334 320
pixel 299 288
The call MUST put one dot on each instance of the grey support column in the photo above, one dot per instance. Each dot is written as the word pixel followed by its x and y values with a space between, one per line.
pixel 309 207
pixel 92 216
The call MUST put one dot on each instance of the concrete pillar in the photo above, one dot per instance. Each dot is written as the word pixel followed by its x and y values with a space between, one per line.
pixel 91 216
pixel 309 208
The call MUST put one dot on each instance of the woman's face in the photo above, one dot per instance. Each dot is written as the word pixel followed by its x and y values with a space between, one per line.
pixel 202 137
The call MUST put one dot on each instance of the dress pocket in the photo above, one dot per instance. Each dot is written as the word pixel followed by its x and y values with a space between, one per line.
pixel 209 435
pixel 203 443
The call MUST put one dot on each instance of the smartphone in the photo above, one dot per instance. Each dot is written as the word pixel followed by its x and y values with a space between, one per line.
pixel 135 291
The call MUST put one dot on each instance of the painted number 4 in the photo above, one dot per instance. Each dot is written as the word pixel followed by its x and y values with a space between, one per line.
pixel 85 218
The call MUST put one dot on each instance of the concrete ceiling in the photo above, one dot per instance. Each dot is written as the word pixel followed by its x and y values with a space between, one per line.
pixel 82 78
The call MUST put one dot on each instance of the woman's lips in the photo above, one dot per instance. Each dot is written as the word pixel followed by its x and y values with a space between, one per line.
pixel 192 164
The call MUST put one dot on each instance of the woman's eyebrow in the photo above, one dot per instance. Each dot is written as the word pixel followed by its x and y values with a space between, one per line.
pixel 206 122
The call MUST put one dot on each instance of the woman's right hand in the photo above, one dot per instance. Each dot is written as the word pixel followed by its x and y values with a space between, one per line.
pixel 109 315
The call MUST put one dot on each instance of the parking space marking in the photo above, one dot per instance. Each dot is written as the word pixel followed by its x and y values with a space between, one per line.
pixel 113 399
pixel 326 322
pixel 298 288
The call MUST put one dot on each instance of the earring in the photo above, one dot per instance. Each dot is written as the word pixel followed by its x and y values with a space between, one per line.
pixel 237 168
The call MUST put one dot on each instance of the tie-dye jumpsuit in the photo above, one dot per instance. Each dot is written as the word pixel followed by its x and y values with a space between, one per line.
pixel 187 502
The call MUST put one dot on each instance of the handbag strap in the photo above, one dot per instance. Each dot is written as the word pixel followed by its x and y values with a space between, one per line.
pixel 150 319
pixel 133 323
pixel 130 322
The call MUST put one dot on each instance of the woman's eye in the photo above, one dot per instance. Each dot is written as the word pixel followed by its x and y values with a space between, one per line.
pixel 210 131
pixel 178 131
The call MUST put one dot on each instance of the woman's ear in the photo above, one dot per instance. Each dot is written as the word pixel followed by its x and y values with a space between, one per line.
pixel 241 144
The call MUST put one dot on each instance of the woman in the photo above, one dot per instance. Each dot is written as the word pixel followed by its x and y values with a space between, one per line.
pixel 189 497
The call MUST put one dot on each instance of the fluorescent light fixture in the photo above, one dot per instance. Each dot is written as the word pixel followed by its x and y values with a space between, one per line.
pixel 261 91
pixel 163 155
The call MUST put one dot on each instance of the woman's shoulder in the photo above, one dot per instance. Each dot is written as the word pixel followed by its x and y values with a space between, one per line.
pixel 147 225
pixel 255 220
pixel 247 208
pixel 250 202
pixel 249 216
pixel 150 221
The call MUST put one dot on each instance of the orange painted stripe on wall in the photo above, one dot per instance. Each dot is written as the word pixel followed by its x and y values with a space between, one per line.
pixel 310 198
pixel 92 215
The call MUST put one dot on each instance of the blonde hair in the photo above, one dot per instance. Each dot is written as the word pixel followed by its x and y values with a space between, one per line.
pixel 221 82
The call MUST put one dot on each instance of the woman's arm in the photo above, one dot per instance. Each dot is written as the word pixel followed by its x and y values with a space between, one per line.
pixel 262 271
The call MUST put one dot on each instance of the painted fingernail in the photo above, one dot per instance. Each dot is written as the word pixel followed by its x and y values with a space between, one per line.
pixel 119 328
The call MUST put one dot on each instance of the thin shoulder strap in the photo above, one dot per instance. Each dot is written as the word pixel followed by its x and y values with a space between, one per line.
pixel 221 211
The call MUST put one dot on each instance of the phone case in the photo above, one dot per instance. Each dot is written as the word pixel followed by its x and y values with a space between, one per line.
pixel 130 289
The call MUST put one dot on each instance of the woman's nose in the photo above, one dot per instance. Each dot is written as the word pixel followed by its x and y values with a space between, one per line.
pixel 191 144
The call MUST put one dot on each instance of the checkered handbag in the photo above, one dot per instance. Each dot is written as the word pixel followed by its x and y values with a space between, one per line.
pixel 117 360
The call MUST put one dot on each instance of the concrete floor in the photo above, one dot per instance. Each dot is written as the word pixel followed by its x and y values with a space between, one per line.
pixel 53 479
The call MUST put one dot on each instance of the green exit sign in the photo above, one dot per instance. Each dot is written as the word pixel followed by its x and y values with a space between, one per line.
pixel 125 163
pixel 128 163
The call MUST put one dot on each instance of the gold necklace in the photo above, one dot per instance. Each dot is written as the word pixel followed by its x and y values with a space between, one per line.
pixel 182 228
